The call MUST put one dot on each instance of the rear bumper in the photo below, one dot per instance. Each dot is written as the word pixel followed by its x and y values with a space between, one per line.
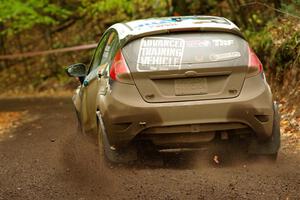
pixel 125 114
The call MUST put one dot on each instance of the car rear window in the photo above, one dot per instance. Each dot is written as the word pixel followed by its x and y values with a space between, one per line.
pixel 172 51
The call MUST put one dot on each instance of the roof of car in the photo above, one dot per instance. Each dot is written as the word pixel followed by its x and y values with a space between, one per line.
pixel 151 26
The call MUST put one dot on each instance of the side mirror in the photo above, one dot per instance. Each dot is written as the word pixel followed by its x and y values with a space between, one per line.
pixel 76 70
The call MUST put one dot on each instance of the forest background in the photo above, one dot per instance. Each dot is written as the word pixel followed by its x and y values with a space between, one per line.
pixel 272 28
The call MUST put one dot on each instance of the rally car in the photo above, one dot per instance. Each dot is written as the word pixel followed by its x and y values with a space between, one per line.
pixel 175 82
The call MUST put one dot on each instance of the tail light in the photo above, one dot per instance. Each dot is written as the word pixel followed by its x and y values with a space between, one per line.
pixel 119 70
pixel 254 65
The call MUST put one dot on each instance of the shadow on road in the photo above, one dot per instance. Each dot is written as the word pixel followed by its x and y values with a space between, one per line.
pixel 80 152
pixel 46 159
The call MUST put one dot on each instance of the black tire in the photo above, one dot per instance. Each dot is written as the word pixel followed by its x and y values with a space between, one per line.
pixel 108 153
pixel 268 149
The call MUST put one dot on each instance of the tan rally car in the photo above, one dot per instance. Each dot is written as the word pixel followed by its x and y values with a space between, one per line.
pixel 175 82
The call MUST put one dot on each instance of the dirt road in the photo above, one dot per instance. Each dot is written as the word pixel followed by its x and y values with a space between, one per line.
pixel 43 158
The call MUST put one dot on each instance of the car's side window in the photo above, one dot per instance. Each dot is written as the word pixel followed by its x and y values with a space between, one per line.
pixel 109 49
pixel 112 53
pixel 104 52
pixel 98 54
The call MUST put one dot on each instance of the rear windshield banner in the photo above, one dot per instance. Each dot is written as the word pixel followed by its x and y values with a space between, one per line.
pixel 160 53
pixel 186 51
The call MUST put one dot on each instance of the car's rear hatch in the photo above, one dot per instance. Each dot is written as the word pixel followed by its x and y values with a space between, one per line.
pixel 188 66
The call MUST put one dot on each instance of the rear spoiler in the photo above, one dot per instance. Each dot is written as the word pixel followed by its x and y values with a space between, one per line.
pixel 130 37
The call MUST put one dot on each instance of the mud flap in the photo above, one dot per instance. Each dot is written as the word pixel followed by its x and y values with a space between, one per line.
pixel 123 155
pixel 271 146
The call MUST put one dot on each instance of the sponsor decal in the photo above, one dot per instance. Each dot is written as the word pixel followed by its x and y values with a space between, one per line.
pixel 209 43
pixel 225 56
pixel 198 43
pixel 160 53
pixel 222 43
pixel 151 24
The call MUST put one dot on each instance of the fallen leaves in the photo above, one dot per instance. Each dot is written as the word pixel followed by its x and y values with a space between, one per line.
pixel 290 126
pixel 9 120
pixel 216 159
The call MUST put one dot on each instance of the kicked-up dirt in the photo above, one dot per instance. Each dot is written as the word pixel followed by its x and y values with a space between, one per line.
pixel 43 157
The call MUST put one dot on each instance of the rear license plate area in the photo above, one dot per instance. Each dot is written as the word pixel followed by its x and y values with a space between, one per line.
pixel 190 86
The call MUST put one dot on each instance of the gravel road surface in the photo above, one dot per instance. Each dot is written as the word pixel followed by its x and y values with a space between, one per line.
pixel 43 157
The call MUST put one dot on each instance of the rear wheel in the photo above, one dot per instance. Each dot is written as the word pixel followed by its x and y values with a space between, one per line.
pixel 268 149
pixel 108 153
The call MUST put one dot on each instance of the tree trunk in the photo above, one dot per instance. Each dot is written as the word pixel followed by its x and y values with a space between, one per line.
pixel 51 59
pixel 238 13
pixel 180 7
pixel 242 13
pixel 21 49
pixel 170 7
pixel 3 63
pixel 233 12
pixel 277 5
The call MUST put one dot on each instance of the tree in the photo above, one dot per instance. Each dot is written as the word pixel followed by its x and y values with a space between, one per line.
pixel 18 15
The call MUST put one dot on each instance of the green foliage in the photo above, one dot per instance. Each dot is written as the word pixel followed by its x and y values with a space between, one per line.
pixel 292 7
pixel 150 8
pixel 285 55
pixel 277 44
pixel 261 42
pixel 110 9
pixel 274 37
pixel 202 7
pixel 18 15
pixel 123 10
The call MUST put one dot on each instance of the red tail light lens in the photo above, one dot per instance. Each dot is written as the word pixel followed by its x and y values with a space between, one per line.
pixel 119 68
pixel 254 65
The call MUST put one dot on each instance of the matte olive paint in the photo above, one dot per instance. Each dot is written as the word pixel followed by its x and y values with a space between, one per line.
pixel 125 106
pixel 127 114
